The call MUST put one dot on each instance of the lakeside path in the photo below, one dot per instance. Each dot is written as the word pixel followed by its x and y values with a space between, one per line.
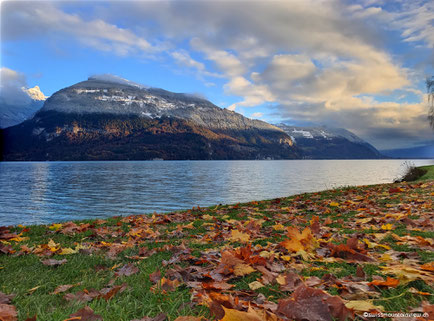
pixel 332 255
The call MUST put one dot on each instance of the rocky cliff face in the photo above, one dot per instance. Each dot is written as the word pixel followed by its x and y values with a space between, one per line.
pixel 97 119
pixel 330 143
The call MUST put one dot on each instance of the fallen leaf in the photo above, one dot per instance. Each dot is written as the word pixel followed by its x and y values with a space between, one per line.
pixel 297 241
pixel 308 304
pixel 127 270
pixel 255 285
pixel 390 282
pixel 85 314
pixel 6 298
pixel 243 269
pixel 363 306
pixel 8 312
pixel 237 236
pixel 62 288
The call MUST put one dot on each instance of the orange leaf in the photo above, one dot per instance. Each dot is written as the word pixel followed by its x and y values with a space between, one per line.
pixel 390 282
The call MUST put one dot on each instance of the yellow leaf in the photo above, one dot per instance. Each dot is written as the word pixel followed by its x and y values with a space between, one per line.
pixel 406 273
pixel 299 241
pixel 237 236
pixel 208 217
pixel 387 227
pixel 18 238
pixel 30 291
pixel 281 279
pixel 53 245
pixel 334 204
pixel 266 254
pixel 363 306
pixel 55 227
pixel 278 227
pixel 241 269
pixel 235 315
pixel 255 285
pixel 67 251
pixel 385 257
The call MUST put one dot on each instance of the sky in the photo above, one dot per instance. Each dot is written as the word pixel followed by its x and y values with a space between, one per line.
pixel 359 65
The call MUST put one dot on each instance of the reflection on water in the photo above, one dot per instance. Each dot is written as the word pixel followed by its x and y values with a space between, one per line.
pixel 45 192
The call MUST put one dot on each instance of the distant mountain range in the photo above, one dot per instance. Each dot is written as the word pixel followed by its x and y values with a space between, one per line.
pixel 99 119
pixel 102 119
pixel 329 143
pixel 13 114
pixel 426 151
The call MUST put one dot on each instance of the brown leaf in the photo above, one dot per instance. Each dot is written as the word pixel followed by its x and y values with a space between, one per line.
pixel 217 285
pixel 85 314
pixel 360 272
pixel 62 288
pixel 308 304
pixel 6 298
pixel 127 270
pixel 31 318
pixel 53 262
pixel 108 293
pixel 155 276
pixel 8 312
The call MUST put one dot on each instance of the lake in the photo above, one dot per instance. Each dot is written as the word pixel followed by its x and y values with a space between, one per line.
pixel 46 192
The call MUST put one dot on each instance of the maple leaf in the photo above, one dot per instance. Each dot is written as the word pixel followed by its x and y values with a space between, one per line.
pixel 85 314
pixel 406 273
pixel 363 306
pixel 8 312
pixel 390 282
pixel 308 304
pixel 238 236
pixel 242 269
pixel 6 298
pixel 235 315
pixel 297 241
pixel 127 270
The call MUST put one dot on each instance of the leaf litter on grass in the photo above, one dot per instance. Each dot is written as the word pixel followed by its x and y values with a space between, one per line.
pixel 332 255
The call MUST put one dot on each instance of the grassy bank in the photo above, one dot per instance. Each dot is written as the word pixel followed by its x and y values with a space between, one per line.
pixel 320 256
pixel 429 175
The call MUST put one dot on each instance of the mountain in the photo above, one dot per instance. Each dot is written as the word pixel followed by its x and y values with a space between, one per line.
pixel 101 119
pixel 15 113
pixel 329 143
pixel 426 151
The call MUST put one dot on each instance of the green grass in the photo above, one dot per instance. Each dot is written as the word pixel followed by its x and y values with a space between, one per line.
pixel 429 175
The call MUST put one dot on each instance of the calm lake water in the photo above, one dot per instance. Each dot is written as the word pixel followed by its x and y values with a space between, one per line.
pixel 46 192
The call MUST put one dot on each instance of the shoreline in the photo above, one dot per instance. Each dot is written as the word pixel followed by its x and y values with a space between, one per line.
pixel 260 254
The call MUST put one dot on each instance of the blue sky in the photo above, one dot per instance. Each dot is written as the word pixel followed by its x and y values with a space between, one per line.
pixel 359 65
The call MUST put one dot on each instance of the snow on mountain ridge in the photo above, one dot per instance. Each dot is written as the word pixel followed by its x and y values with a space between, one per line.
pixel 109 97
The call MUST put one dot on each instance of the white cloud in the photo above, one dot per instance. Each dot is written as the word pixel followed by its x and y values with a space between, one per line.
pixel 183 58
pixel 39 19
pixel 13 86
pixel 320 60
pixel 257 115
